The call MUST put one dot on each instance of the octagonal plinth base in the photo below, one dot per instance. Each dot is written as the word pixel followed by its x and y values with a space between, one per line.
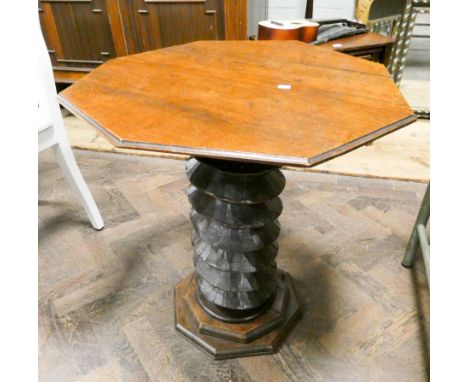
pixel 223 340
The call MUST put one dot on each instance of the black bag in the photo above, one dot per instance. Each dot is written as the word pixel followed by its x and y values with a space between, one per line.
pixel 337 28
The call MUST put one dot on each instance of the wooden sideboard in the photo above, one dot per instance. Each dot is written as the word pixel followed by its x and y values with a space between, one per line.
pixel 369 46
pixel 82 34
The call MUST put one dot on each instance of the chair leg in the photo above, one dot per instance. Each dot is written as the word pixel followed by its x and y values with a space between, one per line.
pixel 425 249
pixel 67 162
pixel 413 244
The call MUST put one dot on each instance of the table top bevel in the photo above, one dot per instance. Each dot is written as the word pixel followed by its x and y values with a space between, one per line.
pixel 226 106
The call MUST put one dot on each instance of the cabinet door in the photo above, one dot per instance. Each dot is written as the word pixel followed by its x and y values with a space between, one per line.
pixel 77 32
pixel 153 24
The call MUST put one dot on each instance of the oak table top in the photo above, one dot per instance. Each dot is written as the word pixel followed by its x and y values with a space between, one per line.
pixel 272 102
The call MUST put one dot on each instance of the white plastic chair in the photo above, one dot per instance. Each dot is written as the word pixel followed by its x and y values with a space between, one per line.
pixel 52 134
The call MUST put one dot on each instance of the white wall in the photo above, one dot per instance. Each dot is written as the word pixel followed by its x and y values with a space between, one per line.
pixel 328 9
pixel 257 12
pixel 286 9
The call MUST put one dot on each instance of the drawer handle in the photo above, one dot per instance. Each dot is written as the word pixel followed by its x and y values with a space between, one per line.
pixel 97 10
pixel 143 12
pixel 105 54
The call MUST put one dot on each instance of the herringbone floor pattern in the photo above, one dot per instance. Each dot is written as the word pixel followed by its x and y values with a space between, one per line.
pixel 106 298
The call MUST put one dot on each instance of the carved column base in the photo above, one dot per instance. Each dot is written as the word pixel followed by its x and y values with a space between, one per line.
pixel 222 340
pixel 236 303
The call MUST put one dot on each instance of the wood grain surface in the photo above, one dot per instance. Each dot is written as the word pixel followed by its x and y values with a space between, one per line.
pixel 221 99
pixel 106 308
pixel 359 42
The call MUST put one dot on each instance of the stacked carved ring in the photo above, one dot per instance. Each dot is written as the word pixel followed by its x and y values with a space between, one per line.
pixel 235 207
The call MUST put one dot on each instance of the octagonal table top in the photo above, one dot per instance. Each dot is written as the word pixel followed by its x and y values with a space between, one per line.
pixel 277 102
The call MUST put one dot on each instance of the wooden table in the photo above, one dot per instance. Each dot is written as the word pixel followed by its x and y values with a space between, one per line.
pixel 242 110
pixel 371 46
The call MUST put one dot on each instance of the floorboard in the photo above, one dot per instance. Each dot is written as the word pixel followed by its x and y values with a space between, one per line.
pixel 106 298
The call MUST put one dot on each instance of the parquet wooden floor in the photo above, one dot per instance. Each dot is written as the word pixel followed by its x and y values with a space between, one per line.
pixel 106 298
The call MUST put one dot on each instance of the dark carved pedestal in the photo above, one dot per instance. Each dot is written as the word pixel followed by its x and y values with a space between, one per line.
pixel 236 303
